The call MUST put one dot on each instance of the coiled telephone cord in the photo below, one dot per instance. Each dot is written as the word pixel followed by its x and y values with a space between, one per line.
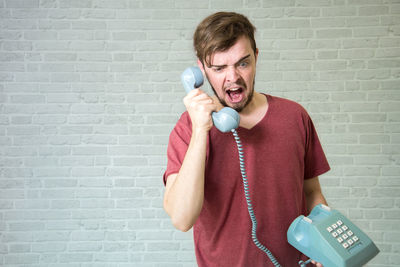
pixel 248 200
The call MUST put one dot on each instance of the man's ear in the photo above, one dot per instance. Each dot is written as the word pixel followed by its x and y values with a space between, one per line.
pixel 201 66
pixel 256 54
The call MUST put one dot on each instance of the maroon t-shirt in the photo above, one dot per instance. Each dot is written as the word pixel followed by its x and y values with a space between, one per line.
pixel 281 151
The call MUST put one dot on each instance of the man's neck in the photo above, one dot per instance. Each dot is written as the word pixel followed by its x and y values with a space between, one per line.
pixel 254 112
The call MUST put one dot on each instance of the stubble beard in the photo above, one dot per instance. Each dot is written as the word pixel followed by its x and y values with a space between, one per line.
pixel 239 107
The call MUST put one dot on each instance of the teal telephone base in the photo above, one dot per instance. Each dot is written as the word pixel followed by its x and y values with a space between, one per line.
pixel 328 237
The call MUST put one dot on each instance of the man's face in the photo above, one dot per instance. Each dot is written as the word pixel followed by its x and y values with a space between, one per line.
pixel 231 74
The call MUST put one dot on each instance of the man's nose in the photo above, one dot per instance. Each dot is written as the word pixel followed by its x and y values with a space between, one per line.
pixel 232 74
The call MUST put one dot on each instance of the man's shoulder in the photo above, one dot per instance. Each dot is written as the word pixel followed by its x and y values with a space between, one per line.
pixel 286 105
pixel 184 123
pixel 185 119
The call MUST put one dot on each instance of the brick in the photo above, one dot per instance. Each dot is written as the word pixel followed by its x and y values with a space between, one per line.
pixel 376 203
pixel 87 236
pixel 112 257
pixel 160 257
pixel 384 192
pixel 120 235
pixel 361 43
pixel 302 12
pixel 92 193
pixel 362 21
pixel 48 247
pixel 292 23
pixel 167 246
pixel 339 11
pixel 389 42
pixel 116 247
pixel 91 203
pixel 65 204
pixel 130 36
pixel 373 10
pixel 76 257
pixel 370 32
pixel 368 117
pixel 363 149
pixel 84 246
pixel 276 3
pixel 327 22
pixel 21 259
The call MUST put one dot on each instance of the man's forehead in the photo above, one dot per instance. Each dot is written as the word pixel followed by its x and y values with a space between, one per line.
pixel 232 55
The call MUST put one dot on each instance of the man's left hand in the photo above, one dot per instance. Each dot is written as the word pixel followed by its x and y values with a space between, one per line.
pixel 317 264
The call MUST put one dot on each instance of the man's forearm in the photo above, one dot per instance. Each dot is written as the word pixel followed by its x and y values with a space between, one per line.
pixel 313 193
pixel 314 199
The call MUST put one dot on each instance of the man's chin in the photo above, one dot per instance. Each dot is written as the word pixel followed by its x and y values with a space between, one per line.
pixel 236 106
pixel 240 105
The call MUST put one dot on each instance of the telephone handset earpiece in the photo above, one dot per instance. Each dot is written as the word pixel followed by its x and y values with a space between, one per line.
pixel 227 118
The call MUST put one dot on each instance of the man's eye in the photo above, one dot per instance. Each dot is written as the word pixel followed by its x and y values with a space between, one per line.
pixel 217 69
pixel 243 64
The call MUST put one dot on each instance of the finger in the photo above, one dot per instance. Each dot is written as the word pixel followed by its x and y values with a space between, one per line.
pixel 203 98
pixel 204 106
pixel 316 263
pixel 194 92
pixel 195 95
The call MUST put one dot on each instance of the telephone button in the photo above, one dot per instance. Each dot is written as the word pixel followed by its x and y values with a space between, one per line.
pixel 349 233
pixel 340 231
pixel 344 227
pixel 334 226
pixel 345 245
pixel 334 234
pixel 340 240
pixel 339 222
pixel 329 229
pixel 345 236
pixel 355 238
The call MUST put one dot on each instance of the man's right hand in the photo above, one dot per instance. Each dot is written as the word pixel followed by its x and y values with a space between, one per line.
pixel 200 106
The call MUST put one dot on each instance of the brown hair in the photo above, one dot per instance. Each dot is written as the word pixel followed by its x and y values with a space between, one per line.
pixel 219 32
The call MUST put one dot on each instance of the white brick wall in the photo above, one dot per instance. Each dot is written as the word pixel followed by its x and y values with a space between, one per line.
pixel 90 91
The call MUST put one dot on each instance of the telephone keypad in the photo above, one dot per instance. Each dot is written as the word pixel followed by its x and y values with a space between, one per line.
pixel 342 234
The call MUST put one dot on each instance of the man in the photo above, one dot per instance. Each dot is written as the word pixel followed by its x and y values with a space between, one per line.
pixel 283 156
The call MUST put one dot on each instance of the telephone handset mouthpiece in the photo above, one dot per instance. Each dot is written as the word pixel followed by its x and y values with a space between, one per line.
pixel 227 118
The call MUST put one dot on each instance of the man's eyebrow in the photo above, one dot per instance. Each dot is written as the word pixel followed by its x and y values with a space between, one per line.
pixel 240 60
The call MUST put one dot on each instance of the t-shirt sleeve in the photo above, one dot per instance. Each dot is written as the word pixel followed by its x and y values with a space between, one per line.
pixel 177 146
pixel 315 161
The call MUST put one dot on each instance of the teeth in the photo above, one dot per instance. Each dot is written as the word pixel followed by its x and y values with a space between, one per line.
pixel 233 89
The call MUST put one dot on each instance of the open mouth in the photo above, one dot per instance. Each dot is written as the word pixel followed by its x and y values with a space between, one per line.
pixel 235 94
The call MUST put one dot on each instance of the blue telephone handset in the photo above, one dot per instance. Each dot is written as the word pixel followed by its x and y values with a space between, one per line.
pixel 227 118
pixel 331 239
